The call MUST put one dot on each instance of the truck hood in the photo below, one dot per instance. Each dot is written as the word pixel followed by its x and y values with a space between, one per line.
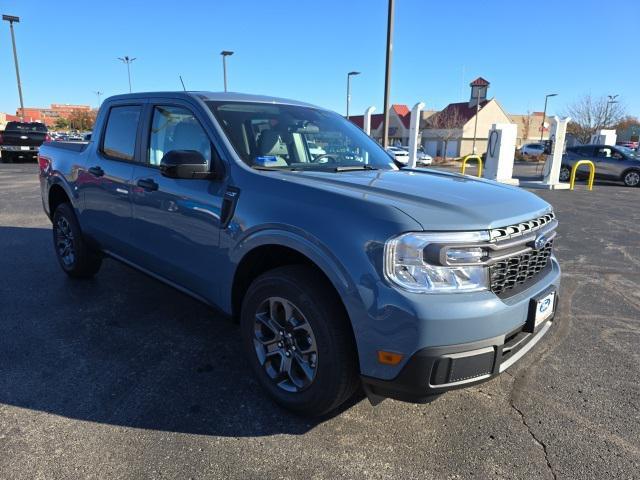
pixel 436 200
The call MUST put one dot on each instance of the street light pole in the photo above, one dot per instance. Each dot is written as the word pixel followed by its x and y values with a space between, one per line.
pixel 127 60
pixel 387 75
pixel 544 114
pixel 225 54
pixel 349 89
pixel 98 94
pixel 612 99
pixel 11 19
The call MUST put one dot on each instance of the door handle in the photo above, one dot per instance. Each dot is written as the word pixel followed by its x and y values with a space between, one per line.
pixel 96 171
pixel 147 184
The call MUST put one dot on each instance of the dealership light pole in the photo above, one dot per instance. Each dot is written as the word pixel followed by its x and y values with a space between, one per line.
pixel 612 100
pixel 98 94
pixel 544 113
pixel 128 60
pixel 11 19
pixel 387 75
pixel 349 75
pixel 225 54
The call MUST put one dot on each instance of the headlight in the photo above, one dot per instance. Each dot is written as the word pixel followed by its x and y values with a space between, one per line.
pixel 437 262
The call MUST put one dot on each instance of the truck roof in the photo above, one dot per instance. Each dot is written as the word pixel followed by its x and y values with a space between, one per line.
pixel 213 96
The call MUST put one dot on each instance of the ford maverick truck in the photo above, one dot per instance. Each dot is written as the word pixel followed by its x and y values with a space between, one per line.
pixel 342 269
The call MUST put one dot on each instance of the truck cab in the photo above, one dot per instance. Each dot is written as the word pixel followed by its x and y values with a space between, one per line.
pixel 342 269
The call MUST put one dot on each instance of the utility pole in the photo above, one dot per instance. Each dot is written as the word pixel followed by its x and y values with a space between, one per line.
pixel 225 54
pixel 349 75
pixel 544 113
pixel 475 125
pixel 11 19
pixel 387 75
pixel 127 60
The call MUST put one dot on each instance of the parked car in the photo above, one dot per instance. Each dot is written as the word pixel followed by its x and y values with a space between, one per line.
pixel 343 272
pixel 631 145
pixel 22 140
pixel 612 163
pixel 532 149
pixel 400 155
pixel 422 157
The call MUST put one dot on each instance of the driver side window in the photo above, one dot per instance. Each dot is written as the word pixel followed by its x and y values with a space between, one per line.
pixel 176 128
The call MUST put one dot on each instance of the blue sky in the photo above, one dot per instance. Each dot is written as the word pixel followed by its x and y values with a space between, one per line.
pixel 303 49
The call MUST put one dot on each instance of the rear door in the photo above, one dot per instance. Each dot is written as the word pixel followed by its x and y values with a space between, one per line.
pixel 176 226
pixel 105 183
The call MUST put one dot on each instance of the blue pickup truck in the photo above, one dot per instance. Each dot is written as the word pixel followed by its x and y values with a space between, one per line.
pixel 343 269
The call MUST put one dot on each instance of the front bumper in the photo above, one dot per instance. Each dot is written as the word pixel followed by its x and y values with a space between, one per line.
pixel 435 370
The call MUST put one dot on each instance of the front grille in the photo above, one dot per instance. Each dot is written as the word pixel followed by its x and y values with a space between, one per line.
pixel 511 231
pixel 516 270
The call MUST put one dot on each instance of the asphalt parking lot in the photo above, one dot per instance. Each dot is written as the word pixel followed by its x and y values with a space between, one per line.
pixel 124 377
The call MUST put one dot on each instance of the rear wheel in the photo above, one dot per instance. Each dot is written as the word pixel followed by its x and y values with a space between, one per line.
pixel 299 340
pixel 631 178
pixel 74 255
pixel 7 157
pixel 565 173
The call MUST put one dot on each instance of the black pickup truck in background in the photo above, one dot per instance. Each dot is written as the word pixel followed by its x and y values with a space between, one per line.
pixel 22 140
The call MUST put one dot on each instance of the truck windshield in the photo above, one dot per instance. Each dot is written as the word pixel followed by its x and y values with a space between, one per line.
pixel 278 136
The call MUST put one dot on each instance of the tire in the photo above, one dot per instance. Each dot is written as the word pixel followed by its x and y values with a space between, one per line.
pixel 74 255
pixel 7 157
pixel 322 363
pixel 565 173
pixel 631 178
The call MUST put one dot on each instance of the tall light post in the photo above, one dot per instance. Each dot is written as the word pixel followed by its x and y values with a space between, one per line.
pixel 612 100
pixel 387 75
pixel 225 54
pixel 11 19
pixel 98 94
pixel 128 61
pixel 349 75
pixel 544 113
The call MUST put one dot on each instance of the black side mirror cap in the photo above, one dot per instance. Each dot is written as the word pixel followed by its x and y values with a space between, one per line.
pixel 185 164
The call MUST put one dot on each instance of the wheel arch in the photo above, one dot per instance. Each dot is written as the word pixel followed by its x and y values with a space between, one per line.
pixel 266 250
pixel 57 195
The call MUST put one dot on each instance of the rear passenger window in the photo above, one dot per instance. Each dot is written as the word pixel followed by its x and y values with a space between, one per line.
pixel 120 134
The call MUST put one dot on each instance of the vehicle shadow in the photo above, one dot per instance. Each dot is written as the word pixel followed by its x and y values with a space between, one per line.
pixel 123 349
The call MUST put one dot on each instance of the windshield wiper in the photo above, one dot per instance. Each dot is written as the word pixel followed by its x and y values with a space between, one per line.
pixel 351 168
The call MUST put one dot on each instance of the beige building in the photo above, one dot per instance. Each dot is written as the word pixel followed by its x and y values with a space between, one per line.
pixel 530 126
pixel 451 131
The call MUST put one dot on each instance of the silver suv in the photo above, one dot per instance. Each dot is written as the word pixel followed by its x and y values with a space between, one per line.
pixel 612 163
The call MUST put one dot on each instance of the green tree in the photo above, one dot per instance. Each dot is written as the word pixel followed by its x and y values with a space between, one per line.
pixel 61 123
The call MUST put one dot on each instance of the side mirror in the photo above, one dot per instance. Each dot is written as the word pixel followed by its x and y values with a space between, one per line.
pixel 184 164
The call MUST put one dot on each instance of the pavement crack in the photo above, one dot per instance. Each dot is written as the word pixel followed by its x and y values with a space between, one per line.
pixel 535 439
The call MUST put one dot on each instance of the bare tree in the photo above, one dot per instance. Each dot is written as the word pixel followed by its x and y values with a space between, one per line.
pixel 526 126
pixel 447 121
pixel 589 114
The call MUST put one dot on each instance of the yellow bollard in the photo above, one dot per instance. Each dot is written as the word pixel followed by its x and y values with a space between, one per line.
pixel 592 173
pixel 471 157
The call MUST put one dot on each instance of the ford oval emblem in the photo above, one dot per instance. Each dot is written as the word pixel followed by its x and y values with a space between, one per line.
pixel 540 242
pixel 545 305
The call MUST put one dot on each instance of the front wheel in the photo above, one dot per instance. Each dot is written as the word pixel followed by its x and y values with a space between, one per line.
pixel 299 340
pixel 565 173
pixel 74 255
pixel 632 178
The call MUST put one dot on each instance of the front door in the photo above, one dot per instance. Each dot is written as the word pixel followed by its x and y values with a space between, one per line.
pixel 176 225
pixel 104 184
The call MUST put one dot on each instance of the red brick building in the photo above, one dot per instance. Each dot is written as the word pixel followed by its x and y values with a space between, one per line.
pixel 48 116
